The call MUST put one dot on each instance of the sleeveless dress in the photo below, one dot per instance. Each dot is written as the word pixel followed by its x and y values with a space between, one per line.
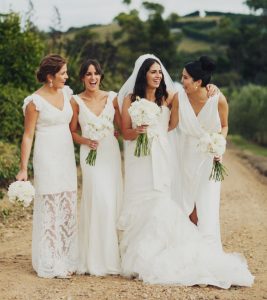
pixel 101 199
pixel 196 166
pixel 54 235
pixel 159 244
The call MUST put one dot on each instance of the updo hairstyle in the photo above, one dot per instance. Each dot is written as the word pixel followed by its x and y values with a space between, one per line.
pixel 201 69
pixel 49 65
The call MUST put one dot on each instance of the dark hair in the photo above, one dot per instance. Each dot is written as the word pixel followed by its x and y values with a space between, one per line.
pixel 49 65
pixel 201 69
pixel 85 65
pixel 141 83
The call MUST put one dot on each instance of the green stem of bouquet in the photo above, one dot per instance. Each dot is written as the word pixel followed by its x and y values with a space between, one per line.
pixel 142 145
pixel 218 171
pixel 91 157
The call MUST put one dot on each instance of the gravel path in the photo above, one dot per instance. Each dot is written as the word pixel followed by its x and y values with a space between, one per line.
pixel 243 226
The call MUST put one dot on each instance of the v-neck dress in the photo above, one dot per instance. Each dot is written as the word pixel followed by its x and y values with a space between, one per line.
pixel 196 166
pixel 101 198
pixel 54 236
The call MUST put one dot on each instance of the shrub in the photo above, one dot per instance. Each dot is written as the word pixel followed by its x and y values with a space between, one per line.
pixel 11 122
pixel 9 163
pixel 248 111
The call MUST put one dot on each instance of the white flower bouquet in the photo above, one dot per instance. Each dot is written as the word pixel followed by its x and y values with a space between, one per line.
pixel 143 112
pixel 97 130
pixel 215 144
pixel 22 192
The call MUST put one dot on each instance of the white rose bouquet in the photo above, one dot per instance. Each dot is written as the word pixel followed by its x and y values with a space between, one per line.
pixel 143 112
pixel 215 144
pixel 22 192
pixel 96 131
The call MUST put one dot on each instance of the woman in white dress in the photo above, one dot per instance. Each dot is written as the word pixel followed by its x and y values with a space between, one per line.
pixel 47 115
pixel 102 182
pixel 159 244
pixel 199 113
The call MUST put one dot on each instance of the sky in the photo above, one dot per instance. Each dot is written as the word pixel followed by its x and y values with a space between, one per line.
pixel 77 13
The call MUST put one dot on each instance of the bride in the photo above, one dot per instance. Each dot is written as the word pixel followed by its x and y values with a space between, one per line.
pixel 159 244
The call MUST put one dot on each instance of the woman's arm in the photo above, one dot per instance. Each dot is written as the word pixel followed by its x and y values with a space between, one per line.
pixel 223 112
pixel 127 131
pixel 31 116
pixel 74 128
pixel 174 117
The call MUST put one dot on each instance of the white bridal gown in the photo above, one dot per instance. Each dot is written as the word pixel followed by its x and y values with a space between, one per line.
pixel 196 166
pixel 54 236
pixel 159 244
pixel 101 199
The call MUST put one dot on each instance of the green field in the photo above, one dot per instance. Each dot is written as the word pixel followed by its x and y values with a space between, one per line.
pixel 243 144
pixel 190 45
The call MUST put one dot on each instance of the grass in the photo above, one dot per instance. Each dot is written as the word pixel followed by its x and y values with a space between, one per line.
pixel 103 31
pixel 199 19
pixel 246 145
pixel 190 45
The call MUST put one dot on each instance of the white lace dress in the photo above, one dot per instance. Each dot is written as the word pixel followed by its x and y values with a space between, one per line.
pixel 159 244
pixel 101 198
pixel 54 236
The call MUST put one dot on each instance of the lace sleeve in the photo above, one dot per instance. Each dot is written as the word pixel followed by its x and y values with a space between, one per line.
pixel 32 98
pixel 68 91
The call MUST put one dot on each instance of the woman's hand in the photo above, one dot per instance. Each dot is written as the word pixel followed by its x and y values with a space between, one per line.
pixel 141 129
pixel 218 158
pixel 212 90
pixel 92 144
pixel 116 133
pixel 22 175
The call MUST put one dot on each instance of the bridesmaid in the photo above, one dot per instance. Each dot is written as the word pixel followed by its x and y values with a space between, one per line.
pixel 47 115
pixel 102 183
pixel 199 113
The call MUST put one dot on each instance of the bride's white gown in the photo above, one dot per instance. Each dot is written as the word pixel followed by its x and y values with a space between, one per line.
pixel 159 244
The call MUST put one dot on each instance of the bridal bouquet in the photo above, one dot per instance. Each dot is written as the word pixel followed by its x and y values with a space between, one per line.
pixel 143 112
pixel 22 192
pixel 96 131
pixel 215 144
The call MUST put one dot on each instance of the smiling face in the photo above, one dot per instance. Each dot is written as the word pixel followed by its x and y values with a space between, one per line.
pixel 92 79
pixel 154 76
pixel 59 78
pixel 188 83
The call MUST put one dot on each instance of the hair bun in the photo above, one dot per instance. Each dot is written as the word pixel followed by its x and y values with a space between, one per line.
pixel 207 64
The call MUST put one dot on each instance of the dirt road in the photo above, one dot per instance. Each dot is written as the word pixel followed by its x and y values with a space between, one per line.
pixel 243 226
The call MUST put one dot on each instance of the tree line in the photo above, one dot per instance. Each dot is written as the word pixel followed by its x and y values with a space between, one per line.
pixel 238 43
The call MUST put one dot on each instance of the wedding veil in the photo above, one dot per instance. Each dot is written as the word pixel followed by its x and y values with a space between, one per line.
pixel 128 86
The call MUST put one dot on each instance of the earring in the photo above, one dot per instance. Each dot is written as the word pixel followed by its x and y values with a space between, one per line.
pixel 50 83
pixel 196 87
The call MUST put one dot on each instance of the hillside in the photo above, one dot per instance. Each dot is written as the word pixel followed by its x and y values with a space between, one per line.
pixel 194 33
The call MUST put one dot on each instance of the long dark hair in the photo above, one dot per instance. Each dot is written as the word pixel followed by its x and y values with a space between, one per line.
pixel 141 83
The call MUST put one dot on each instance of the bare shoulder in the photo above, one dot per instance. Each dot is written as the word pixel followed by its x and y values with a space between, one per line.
pixel 222 100
pixel 172 99
pixel 103 94
pixel 31 108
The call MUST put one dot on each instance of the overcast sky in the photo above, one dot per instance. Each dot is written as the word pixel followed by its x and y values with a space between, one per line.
pixel 76 13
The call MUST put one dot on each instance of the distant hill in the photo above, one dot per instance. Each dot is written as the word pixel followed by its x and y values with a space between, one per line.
pixel 194 31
